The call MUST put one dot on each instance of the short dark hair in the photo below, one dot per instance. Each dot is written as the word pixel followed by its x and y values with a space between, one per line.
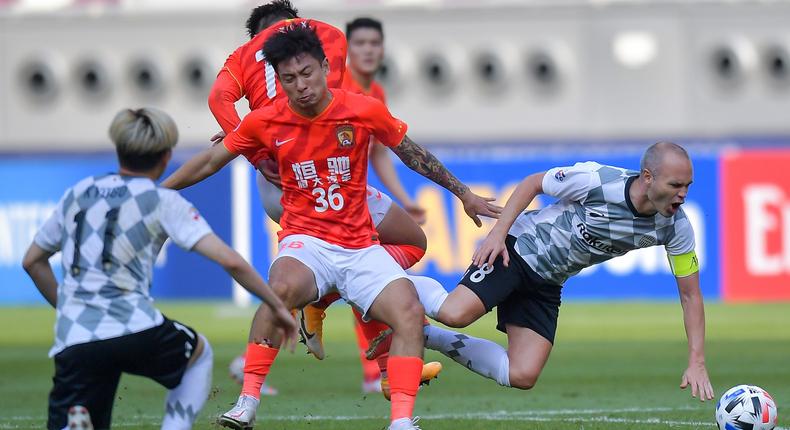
pixel 290 41
pixel 140 162
pixel 269 13
pixel 364 22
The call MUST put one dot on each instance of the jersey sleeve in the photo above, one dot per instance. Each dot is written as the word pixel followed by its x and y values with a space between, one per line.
pixel 222 98
pixel 246 140
pixel 571 182
pixel 387 129
pixel 680 249
pixel 50 235
pixel 180 220
pixel 682 241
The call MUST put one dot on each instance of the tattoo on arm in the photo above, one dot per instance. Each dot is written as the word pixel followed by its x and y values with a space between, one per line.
pixel 423 162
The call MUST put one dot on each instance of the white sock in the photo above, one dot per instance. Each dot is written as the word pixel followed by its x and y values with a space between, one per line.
pixel 186 400
pixel 484 357
pixel 432 294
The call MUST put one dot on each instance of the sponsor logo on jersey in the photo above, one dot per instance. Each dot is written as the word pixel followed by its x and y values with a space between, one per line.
pixel 559 176
pixel 345 135
pixel 278 142
pixel 594 242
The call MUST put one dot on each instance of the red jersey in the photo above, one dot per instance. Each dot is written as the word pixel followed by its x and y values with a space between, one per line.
pixel 322 162
pixel 376 90
pixel 246 73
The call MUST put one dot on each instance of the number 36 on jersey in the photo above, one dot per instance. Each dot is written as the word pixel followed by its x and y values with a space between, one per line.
pixel 326 188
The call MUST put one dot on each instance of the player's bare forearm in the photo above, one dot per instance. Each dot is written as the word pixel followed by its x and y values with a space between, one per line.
pixel 693 316
pixel 522 196
pixel 423 162
pixel 385 170
pixel 36 264
pixel 199 167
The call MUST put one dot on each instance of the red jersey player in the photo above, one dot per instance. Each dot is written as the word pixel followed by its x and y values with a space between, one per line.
pixel 320 139
pixel 247 74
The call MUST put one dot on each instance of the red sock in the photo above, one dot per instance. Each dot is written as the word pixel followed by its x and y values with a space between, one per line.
pixel 327 300
pixel 259 359
pixel 404 376
pixel 370 370
pixel 405 255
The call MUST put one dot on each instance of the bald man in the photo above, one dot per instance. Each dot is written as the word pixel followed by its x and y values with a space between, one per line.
pixel 602 212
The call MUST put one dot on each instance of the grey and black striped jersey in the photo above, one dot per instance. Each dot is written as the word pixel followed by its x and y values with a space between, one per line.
pixel 593 221
pixel 110 229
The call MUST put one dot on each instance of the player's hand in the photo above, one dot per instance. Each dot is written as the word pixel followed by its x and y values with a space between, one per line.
pixel 696 376
pixel 416 212
pixel 217 138
pixel 492 247
pixel 271 172
pixel 286 323
pixel 475 205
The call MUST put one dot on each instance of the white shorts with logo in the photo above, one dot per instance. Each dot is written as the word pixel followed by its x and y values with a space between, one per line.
pixel 359 275
pixel 378 202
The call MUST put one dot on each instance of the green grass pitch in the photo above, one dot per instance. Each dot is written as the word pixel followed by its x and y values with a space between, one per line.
pixel 615 365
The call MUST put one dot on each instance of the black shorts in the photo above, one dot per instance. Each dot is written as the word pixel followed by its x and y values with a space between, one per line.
pixel 521 296
pixel 87 374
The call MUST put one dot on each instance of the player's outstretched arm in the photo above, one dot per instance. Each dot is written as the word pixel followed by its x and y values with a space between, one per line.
pixel 494 244
pixel 199 167
pixel 213 248
pixel 385 170
pixel 423 162
pixel 696 375
pixel 36 264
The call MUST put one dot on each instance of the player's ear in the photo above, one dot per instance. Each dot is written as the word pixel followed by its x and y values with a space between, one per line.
pixel 325 66
pixel 648 175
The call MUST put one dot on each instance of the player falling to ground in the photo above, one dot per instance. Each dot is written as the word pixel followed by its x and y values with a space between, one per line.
pixel 247 74
pixel 110 229
pixel 603 212
pixel 319 138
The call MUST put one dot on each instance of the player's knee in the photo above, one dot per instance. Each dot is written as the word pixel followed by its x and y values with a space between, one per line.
pixel 455 317
pixel 286 293
pixel 409 315
pixel 523 379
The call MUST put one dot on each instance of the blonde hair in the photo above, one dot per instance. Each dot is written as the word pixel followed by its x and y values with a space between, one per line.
pixel 143 131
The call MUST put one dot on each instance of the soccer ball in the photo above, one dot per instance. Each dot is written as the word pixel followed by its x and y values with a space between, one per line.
pixel 746 407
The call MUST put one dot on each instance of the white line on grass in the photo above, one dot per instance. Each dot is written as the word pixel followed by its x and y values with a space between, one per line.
pixel 577 416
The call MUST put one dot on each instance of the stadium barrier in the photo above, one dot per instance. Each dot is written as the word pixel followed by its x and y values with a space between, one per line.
pixel 739 206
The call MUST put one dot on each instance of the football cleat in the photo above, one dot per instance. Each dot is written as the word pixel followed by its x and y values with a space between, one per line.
pixel 311 329
pixel 379 344
pixel 404 424
pixel 242 416
pixel 430 371
pixel 79 418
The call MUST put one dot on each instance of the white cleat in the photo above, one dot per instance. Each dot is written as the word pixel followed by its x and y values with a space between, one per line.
pixel 405 424
pixel 79 418
pixel 242 416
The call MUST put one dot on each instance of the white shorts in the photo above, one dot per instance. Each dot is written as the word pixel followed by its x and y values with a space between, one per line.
pixel 378 202
pixel 359 275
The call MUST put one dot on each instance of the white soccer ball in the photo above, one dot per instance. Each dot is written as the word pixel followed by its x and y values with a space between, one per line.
pixel 746 407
